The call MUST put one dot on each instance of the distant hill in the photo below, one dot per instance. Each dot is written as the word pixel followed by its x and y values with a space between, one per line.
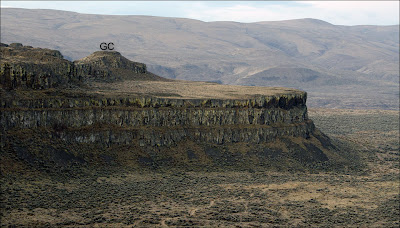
pixel 358 65
pixel 291 76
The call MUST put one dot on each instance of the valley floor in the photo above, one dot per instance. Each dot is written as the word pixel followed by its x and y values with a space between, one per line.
pixel 109 198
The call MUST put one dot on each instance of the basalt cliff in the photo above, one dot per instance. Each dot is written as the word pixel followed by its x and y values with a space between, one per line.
pixel 107 110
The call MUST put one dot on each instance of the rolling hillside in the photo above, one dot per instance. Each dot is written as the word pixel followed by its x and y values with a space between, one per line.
pixel 357 64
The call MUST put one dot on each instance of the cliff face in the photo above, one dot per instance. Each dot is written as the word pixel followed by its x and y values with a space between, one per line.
pixel 28 67
pixel 37 68
pixel 148 127
pixel 161 121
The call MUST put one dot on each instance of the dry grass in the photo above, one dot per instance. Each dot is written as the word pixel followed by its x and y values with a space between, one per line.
pixel 350 112
pixel 188 89
pixel 126 198
pixel 375 132
pixel 206 199
pixel 364 194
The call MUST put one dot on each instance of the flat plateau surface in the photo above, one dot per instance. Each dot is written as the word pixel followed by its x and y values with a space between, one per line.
pixel 190 90
pixel 171 198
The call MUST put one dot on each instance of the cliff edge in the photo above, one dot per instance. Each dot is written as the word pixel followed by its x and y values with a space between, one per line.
pixel 106 109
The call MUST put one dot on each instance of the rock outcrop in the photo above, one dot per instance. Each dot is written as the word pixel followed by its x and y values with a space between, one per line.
pixel 166 121
pixel 35 68
pixel 38 68
pixel 110 66
pixel 100 117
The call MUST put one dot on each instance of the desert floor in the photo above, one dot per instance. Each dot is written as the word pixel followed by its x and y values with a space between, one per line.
pixel 123 198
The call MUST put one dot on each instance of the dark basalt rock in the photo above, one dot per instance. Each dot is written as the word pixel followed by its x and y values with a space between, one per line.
pixel 38 68
pixel 111 66
pixel 156 131
pixel 34 68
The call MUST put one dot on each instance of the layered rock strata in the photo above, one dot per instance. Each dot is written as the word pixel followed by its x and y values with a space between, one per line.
pixel 87 107
pixel 162 121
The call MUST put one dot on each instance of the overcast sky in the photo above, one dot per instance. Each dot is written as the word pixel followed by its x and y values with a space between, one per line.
pixel 335 12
